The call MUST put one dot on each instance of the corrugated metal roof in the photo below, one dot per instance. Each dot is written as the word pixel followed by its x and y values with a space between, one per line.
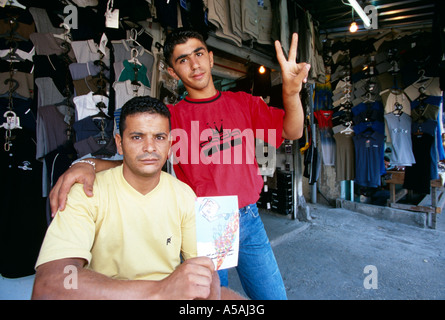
pixel 335 16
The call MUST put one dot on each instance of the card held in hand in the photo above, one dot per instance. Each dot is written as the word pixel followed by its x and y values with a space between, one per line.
pixel 217 230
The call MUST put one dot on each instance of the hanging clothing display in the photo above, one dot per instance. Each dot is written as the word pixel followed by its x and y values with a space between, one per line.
pixel 57 100
pixel 389 100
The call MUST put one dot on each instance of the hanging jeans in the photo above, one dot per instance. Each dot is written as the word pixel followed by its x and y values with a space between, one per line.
pixel 257 268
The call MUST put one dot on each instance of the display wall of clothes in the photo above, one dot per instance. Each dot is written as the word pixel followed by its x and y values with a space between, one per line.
pixel 57 100
pixel 381 101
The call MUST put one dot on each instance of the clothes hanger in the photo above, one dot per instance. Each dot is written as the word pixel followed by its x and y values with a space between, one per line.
pixel 14 3
pixel 65 36
pixel 348 129
pixel 104 151
pixel 133 36
pixel 101 114
pixel 12 35
pixel 368 97
pixel 422 78
pixel 134 60
pixel 397 109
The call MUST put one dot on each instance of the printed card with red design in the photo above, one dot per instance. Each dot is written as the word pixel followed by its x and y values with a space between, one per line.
pixel 217 230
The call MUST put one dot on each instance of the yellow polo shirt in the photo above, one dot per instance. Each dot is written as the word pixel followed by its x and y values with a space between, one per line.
pixel 122 233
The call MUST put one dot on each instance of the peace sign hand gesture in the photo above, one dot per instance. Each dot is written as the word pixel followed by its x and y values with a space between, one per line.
pixel 293 74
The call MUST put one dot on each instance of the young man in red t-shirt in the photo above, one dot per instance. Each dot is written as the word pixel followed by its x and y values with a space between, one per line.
pixel 213 145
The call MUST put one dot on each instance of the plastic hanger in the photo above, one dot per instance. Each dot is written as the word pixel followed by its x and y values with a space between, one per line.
pixel 348 129
pixel 134 59
pixel 368 97
pixel 133 37
pixel 397 109
pixel 101 114
pixel 12 35
pixel 66 35
pixel 422 77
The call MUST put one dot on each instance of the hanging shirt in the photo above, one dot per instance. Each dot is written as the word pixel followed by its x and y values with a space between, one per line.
pixel 122 51
pixel 345 158
pixel 125 90
pixel 86 105
pixel 418 176
pixel 129 73
pixel 88 50
pixel 400 131
pixel 431 86
pixel 369 151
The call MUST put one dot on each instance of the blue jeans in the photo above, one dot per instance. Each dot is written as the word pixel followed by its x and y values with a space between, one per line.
pixel 257 268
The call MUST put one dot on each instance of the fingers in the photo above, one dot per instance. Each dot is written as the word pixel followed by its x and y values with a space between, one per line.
pixel 203 261
pixel 80 173
pixel 293 48
pixel 53 198
pixel 280 55
pixel 292 51
pixel 193 279
pixel 304 71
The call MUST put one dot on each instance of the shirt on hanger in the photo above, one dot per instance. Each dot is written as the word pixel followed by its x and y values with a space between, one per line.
pixel 129 73
pixel 83 70
pixel 431 86
pixel 88 50
pixel 399 127
pixel 86 105
pixel 125 90
pixel 25 82
pixel 122 51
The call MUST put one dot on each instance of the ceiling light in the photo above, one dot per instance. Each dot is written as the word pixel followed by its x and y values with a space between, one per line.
pixel 353 28
pixel 360 12
pixel 262 70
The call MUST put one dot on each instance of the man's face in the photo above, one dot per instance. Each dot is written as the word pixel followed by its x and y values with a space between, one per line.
pixel 192 63
pixel 145 145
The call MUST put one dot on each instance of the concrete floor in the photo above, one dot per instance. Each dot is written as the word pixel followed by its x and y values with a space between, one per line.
pixel 326 258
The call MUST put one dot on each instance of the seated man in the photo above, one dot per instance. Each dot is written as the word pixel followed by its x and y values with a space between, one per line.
pixel 125 241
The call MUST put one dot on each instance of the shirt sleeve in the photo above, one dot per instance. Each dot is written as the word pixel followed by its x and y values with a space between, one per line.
pixel 188 225
pixel 72 231
pixel 267 122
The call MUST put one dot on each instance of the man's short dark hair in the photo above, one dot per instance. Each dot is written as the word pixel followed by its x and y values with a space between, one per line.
pixel 179 36
pixel 141 105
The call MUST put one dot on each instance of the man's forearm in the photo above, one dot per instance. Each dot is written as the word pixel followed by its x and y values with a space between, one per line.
pixel 64 279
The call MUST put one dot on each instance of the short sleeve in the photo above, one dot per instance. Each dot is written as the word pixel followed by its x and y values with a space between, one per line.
pixel 267 121
pixel 72 231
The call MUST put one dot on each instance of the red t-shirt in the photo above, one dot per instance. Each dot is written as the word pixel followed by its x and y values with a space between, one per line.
pixel 214 143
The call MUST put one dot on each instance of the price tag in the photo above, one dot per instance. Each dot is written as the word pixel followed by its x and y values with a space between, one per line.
pixel 112 18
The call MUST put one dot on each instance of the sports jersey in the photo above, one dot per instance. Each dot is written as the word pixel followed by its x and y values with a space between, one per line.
pixel 214 143
pixel 122 233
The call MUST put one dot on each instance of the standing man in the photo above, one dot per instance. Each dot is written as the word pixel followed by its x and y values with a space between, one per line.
pixel 214 133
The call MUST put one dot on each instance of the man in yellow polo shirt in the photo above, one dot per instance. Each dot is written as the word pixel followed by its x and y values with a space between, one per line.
pixel 125 242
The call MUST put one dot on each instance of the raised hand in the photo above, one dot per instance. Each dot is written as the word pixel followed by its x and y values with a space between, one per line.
pixel 293 74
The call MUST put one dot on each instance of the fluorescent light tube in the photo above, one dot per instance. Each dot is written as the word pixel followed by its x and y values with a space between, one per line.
pixel 360 12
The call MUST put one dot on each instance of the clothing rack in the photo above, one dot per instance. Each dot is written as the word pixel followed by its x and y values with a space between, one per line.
pixel 12 120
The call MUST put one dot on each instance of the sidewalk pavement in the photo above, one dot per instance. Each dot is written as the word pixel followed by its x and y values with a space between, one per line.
pixel 345 255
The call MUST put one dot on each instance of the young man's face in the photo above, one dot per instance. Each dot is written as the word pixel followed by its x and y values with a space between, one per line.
pixel 192 63
pixel 145 145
